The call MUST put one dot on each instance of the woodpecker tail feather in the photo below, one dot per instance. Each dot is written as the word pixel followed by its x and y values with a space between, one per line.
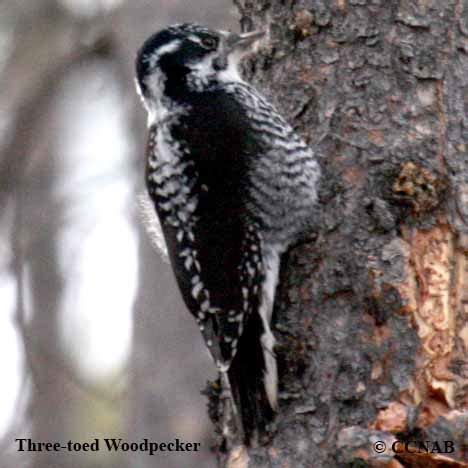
pixel 253 380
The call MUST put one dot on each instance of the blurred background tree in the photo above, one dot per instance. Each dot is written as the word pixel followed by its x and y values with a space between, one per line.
pixel 78 276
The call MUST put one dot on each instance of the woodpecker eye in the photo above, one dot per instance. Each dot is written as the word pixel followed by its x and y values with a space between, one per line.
pixel 209 42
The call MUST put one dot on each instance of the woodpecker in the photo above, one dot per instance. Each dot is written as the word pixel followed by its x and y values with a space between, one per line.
pixel 233 186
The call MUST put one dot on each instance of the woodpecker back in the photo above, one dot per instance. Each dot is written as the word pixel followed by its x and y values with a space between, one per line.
pixel 233 186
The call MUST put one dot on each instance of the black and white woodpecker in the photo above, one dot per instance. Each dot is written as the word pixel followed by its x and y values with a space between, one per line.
pixel 233 186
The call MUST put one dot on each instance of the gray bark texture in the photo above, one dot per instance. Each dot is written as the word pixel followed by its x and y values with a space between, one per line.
pixel 371 312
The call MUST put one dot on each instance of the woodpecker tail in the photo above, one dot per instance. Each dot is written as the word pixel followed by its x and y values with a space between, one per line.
pixel 253 379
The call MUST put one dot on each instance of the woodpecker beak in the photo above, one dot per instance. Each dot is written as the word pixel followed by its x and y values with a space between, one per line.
pixel 242 42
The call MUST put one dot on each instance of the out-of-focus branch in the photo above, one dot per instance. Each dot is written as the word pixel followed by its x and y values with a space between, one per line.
pixel 14 158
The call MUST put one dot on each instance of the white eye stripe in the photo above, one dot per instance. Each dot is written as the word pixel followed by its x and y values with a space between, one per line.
pixel 171 47
pixel 195 39
pixel 165 49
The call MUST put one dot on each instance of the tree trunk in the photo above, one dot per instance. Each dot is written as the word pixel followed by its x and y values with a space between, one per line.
pixel 371 313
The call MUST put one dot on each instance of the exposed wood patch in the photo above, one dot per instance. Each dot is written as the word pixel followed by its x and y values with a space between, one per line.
pixel 432 253
pixel 341 4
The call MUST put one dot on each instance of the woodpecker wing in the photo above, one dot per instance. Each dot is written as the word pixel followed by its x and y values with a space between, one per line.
pixel 202 200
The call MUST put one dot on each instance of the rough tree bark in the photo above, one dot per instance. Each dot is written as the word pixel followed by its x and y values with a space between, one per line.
pixel 371 316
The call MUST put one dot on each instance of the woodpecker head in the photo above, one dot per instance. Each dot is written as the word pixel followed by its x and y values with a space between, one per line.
pixel 188 57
